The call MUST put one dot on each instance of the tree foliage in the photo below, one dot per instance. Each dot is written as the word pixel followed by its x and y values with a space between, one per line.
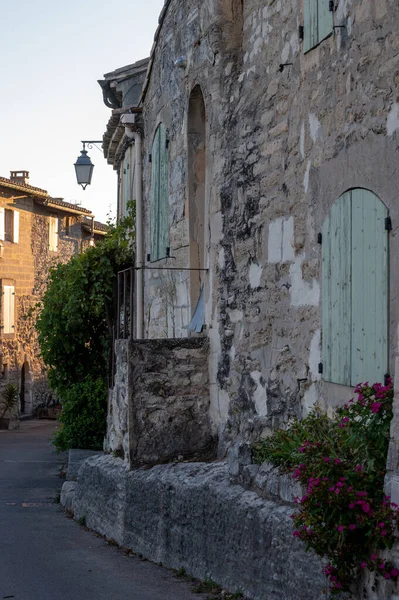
pixel 76 317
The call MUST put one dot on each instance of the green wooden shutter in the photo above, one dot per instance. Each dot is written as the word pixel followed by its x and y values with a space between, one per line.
pixel 369 288
pixel 336 299
pixel 159 196
pixel 163 213
pixel 154 201
pixel 325 20
pixel 310 25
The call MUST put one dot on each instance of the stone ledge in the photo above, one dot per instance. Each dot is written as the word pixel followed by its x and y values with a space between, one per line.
pixel 265 480
pixel 190 516
pixel 75 460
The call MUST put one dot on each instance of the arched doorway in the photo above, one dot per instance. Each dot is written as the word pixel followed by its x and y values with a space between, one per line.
pixel 22 391
pixel 355 289
pixel 196 133
pixel 25 394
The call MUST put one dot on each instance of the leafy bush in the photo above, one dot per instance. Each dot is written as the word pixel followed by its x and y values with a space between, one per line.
pixel 83 417
pixel 9 397
pixel 344 514
pixel 75 332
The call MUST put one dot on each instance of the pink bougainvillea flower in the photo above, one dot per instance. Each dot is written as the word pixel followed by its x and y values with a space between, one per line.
pixel 373 557
pixel 375 407
pixel 384 532
pixel 394 572
pixel 366 507
pixel 381 524
pixel 363 565
pixel 387 575
pixel 359 468
pixel 297 534
pixel 340 528
pixel 326 459
pixel 351 505
pixel 332 488
pixel 337 490
pixel 352 526
pixel 337 461
pixel 382 567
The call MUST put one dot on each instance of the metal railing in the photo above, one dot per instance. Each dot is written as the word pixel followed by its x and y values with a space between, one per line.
pixel 124 321
pixel 125 325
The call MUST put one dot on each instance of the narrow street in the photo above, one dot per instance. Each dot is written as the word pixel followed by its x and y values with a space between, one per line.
pixel 47 556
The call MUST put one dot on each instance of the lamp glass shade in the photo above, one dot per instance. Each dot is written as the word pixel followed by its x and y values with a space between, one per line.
pixel 84 169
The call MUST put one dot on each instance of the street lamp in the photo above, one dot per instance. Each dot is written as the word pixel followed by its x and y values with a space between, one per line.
pixel 83 166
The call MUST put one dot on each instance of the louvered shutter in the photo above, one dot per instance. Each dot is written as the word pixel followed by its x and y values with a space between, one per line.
pixel 336 292
pixel 163 213
pixel 155 192
pixel 369 288
pixel 310 25
pixel 8 308
pixel 53 234
pixel 2 223
pixel 15 236
pixel 324 20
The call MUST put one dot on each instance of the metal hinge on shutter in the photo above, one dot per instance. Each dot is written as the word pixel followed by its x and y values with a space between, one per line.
pixel 387 379
pixel 388 224
pixel 150 158
pixel 319 238
pixel 331 6
pixel 301 32
pixel 320 368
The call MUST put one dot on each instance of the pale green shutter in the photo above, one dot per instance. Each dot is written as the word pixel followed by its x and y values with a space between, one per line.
pixel 310 25
pixel 155 192
pixel 336 292
pixel 159 196
pixel 163 214
pixel 325 20
pixel 369 288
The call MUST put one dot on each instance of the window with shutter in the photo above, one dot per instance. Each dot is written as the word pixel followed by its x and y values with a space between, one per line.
pixel 53 234
pixel 8 225
pixel 159 201
pixel 318 23
pixel 2 223
pixel 355 290
pixel 8 309
pixel 15 236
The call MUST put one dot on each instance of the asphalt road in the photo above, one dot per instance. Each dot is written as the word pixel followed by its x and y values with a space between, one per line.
pixel 46 556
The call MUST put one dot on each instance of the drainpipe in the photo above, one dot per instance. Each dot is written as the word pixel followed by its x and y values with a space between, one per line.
pixel 139 238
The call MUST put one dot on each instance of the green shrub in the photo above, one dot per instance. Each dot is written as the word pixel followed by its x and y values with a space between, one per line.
pixel 344 515
pixel 9 397
pixel 83 417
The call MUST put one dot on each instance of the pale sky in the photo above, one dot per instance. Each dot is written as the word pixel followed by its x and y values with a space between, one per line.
pixel 51 54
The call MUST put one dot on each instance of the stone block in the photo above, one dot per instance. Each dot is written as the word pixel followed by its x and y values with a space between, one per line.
pixel 68 493
pixel 190 516
pixel 75 460
pixel 169 400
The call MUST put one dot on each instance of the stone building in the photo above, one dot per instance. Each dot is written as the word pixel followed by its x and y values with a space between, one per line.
pixel 265 180
pixel 36 232
pixel 268 167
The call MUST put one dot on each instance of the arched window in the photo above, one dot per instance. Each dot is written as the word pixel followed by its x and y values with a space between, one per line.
pixel 355 290
pixel 196 192
pixel 159 202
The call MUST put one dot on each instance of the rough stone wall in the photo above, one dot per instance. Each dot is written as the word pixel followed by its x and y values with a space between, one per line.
pixel 117 436
pixel 282 146
pixel 169 400
pixel 27 264
pixel 190 516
